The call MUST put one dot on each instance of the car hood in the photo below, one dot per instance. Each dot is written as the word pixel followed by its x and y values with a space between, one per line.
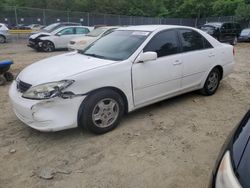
pixel 60 67
pixel 85 39
pixel 33 36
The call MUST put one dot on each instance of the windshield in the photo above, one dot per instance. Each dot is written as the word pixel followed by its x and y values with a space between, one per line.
pixel 118 45
pixel 245 32
pixel 96 32
pixel 51 27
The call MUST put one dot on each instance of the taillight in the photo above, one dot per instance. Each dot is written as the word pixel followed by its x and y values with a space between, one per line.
pixel 234 51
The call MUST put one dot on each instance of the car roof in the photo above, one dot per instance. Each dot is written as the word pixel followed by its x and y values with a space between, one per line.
pixel 151 28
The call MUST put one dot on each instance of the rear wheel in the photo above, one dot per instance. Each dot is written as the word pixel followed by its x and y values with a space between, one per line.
pixel 102 111
pixel 2 39
pixel 48 46
pixel 212 82
pixel 235 41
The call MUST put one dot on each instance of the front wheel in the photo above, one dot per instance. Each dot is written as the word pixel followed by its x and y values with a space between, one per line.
pixel 101 111
pixel 212 82
pixel 48 46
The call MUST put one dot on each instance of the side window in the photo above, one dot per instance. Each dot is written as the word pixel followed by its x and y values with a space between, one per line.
pixel 80 30
pixel 192 40
pixel 67 31
pixel 107 32
pixel 164 43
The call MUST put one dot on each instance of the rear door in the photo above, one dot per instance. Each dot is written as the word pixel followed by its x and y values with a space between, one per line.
pixel 198 56
pixel 153 80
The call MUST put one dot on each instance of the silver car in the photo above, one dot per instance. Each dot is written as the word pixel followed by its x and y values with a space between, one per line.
pixel 4 33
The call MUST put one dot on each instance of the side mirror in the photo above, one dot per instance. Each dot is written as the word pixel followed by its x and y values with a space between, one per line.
pixel 147 56
pixel 58 34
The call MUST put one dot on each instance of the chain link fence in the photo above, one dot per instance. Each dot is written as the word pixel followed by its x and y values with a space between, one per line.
pixel 26 16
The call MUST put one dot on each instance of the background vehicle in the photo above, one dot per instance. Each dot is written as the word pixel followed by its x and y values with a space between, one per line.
pixel 82 42
pixel 57 39
pixel 123 71
pixel 245 35
pixel 4 33
pixel 232 169
pixel 223 32
pixel 35 27
pixel 54 26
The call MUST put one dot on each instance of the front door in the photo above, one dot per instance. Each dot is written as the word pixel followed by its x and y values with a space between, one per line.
pixel 154 80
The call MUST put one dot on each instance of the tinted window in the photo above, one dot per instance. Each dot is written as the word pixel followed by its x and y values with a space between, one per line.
pixel 164 43
pixel 68 31
pixel 80 30
pixel 192 40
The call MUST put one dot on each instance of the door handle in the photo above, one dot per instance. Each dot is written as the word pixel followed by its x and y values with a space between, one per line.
pixel 177 62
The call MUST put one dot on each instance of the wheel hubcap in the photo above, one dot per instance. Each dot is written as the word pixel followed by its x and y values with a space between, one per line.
pixel 213 81
pixel 105 113
pixel 48 47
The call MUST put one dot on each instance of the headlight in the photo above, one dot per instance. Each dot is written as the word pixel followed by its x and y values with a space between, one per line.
pixel 47 91
pixel 225 176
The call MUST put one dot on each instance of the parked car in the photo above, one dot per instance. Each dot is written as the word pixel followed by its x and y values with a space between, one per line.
pixel 35 27
pixel 123 71
pixel 232 169
pixel 245 35
pixel 57 39
pixel 223 31
pixel 82 42
pixel 4 33
pixel 20 27
pixel 54 26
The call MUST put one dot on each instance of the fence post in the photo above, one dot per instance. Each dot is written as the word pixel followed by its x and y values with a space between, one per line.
pixel 88 18
pixel 16 15
pixel 44 17
pixel 180 21
pixel 104 19
pixel 68 15
pixel 119 19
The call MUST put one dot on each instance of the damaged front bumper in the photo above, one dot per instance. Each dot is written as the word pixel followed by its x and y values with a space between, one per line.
pixel 46 115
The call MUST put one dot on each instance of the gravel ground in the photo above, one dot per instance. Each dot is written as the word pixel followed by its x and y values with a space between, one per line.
pixel 171 144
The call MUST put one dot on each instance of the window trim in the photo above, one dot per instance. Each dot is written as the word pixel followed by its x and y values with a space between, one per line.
pixel 177 40
pixel 85 28
pixel 204 39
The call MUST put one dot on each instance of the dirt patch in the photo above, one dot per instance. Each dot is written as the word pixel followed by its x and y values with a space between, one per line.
pixel 173 143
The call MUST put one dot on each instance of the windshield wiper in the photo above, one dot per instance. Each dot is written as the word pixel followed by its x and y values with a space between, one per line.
pixel 95 55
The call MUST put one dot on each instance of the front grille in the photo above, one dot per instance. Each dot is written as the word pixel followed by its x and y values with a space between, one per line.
pixel 22 86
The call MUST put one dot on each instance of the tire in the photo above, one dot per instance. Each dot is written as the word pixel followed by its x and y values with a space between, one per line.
pixel 101 111
pixel 235 41
pixel 8 76
pixel 48 46
pixel 212 82
pixel 2 39
pixel 2 81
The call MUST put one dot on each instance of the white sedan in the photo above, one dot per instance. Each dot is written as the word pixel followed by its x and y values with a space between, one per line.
pixel 57 39
pixel 128 69
pixel 81 43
